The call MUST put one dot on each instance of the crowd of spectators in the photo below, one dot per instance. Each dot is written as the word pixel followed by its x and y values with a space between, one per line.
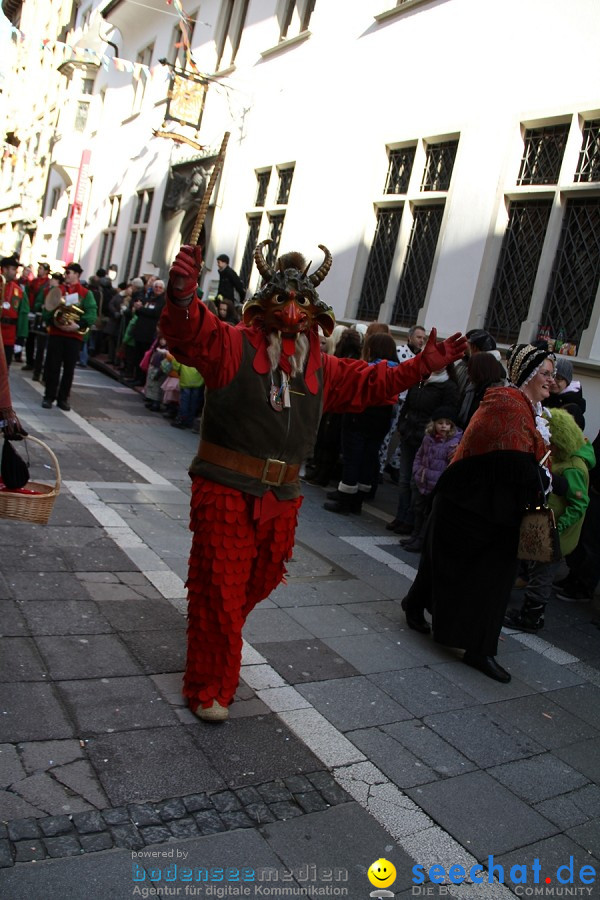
pixel 445 443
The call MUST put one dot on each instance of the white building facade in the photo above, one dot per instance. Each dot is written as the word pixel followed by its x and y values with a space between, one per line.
pixel 447 152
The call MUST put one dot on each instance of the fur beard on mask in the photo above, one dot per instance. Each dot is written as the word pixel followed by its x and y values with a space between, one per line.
pixel 296 361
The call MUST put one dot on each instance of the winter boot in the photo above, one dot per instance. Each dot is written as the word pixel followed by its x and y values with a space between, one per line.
pixel 529 618
pixel 343 501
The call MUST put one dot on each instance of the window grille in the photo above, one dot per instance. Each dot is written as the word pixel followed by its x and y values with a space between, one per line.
pixel 543 153
pixel 108 235
pixel 576 272
pixel 137 234
pixel 439 165
pixel 81 115
pixel 285 183
pixel 231 34
pixel 141 77
pixel 262 180
pixel 517 268
pixel 276 223
pixel 412 288
pixel 295 17
pixel 380 263
pixel 251 242
pixel 588 166
pixel 399 170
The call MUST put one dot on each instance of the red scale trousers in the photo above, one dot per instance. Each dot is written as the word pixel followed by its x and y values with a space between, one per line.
pixel 235 562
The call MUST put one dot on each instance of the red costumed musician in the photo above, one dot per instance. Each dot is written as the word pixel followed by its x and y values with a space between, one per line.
pixel 267 384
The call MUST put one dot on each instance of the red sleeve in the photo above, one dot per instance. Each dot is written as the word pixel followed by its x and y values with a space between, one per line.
pixel 196 337
pixel 350 385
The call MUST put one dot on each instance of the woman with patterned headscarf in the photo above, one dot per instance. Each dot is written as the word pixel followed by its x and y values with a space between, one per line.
pixel 469 561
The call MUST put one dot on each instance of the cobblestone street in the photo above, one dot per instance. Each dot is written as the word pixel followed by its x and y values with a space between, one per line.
pixel 351 737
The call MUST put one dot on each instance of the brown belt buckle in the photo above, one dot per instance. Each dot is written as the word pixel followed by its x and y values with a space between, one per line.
pixel 265 474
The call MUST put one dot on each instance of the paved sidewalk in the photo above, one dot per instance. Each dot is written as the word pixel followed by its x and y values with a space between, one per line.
pixel 351 737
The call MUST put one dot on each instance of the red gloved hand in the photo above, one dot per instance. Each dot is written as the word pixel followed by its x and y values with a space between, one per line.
pixel 183 274
pixel 435 356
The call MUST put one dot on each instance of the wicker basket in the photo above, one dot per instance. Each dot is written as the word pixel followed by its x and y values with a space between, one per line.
pixel 32 507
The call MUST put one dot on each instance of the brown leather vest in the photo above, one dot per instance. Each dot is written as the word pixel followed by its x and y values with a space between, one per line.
pixel 240 417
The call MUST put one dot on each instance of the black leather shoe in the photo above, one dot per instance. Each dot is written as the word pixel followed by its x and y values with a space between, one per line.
pixel 46 404
pixel 414 620
pixel 62 404
pixel 487 665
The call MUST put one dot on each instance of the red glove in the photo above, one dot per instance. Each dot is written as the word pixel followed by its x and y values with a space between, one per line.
pixel 183 274
pixel 435 356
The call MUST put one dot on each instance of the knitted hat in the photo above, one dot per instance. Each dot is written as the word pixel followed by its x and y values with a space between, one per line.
pixel 523 361
pixel 444 412
pixel 564 368
pixel 481 339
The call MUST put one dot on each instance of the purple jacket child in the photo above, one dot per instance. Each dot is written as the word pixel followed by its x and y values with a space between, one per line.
pixel 434 455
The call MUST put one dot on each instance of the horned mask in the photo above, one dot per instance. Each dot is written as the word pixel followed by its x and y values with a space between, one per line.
pixel 288 302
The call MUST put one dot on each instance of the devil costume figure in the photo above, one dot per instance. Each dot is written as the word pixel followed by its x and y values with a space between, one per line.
pixel 267 383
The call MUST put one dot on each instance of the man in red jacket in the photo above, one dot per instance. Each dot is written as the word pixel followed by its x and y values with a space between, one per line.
pixel 35 294
pixel 65 338
pixel 267 383
pixel 14 317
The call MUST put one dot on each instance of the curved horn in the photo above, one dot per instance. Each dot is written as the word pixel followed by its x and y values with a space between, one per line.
pixel 261 264
pixel 318 276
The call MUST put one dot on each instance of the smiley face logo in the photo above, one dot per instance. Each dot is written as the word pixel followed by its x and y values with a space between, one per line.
pixel 381 873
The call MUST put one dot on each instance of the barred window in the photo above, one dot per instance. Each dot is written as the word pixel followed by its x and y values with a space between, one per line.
pixel 109 233
pixel 380 263
pixel 576 271
pixel 543 153
pixel 588 166
pixel 517 268
pixel 294 17
pixel 137 234
pixel 439 166
pixel 399 170
pixel 82 110
pixel 262 184
pixel 412 288
pixel 276 227
pixel 285 184
pixel 230 36
pixel 141 76
pixel 251 242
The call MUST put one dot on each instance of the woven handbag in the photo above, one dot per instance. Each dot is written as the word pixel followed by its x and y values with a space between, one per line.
pixel 538 535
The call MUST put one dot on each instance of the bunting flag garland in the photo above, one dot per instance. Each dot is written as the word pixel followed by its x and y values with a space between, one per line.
pixel 85 54
pixel 121 65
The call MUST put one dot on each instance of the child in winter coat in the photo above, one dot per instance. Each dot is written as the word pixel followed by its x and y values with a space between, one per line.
pixel 432 458
pixel 155 376
pixel 191 395
pixel 170 387
pixel 572 458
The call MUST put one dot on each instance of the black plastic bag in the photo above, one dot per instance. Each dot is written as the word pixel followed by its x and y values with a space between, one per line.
pixel 14 469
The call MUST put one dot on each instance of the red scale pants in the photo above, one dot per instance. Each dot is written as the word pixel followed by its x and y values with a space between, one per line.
pixel 235 562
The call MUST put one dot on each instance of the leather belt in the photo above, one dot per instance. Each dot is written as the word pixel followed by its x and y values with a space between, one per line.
pixel 269 471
